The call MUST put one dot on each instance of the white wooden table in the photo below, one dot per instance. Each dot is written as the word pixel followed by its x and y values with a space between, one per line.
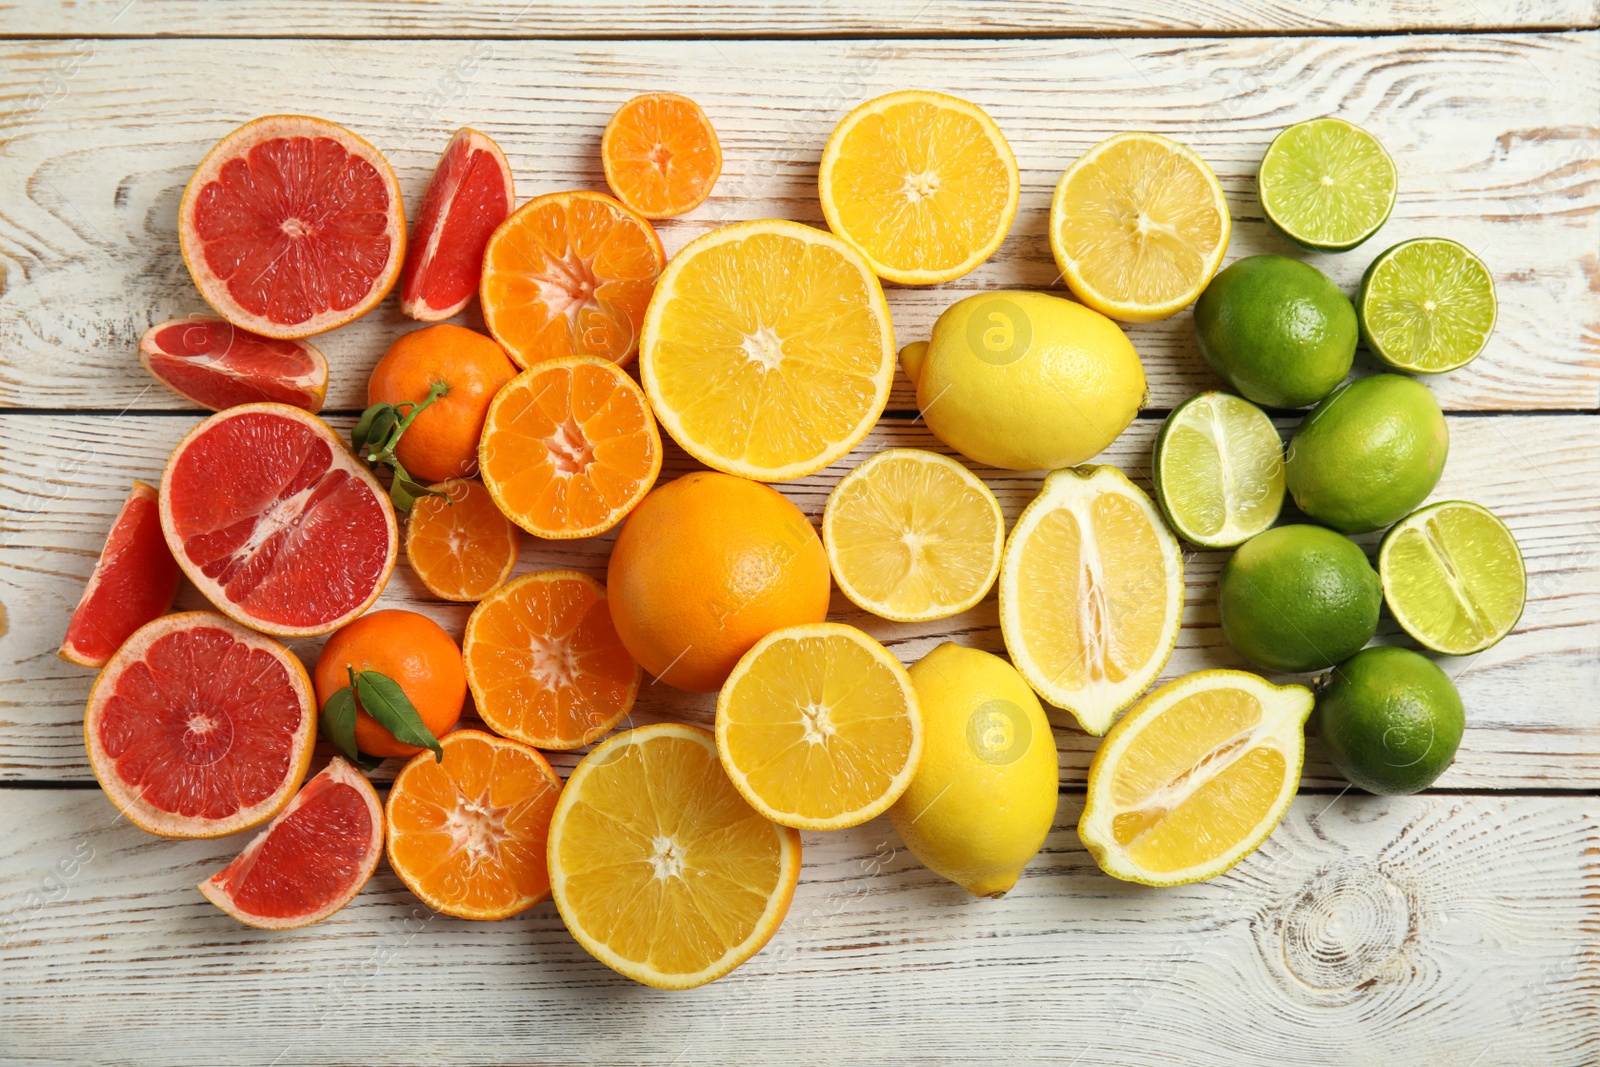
pixel 1459 926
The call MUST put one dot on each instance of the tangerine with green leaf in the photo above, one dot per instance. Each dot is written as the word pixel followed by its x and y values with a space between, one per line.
pixel 410 650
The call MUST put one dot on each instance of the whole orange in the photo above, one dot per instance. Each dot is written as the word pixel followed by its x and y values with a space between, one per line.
pixel 705 567
pixel 413 650
pixel 443 441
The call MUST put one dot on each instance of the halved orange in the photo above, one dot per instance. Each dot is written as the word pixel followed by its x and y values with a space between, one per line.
pixel 570 274
pixel 661 154
pixel 460 544
pixel 467 834
pixel 545 664
pixel 569 447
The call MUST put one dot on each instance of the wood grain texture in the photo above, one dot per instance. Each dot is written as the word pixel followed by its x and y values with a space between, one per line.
pixel 1496 138
pixel 785 18
pixel 1421 931
pixel 1529 699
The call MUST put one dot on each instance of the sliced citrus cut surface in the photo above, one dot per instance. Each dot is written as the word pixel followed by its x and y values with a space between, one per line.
pixel 1326 184
pixel 545 664
pixel 570 274
pixel 922 184
pixel 292 225
pixel 459 543
pixel 1138 226
pixel 661 155
pixel 658 866
pixel 198 727
pixel 1219 470
pixel 818 727
pixel 1091 593
pixel 1453 577
pixel 1195 777
pixel 768 351
pixel 273 519
pixel 467 834
pixel 218 365
pixel 913 535
pixel 133 581
pixel 1427 306
pixel 311 860
pixel 470 194
pixel 569 447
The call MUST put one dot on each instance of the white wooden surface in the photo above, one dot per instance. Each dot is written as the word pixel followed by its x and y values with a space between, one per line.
pixel 1461 926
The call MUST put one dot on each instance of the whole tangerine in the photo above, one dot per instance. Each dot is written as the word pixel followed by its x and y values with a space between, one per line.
pixel 443 441
pixel 706 566
pixel 411 649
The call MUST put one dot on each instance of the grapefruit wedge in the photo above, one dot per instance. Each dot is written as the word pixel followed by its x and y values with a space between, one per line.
pixel 470 194
pixel 274 520
pixel 217 365
pixel 198 727
pixel 133 582
pixel 313 858
pixel 292 225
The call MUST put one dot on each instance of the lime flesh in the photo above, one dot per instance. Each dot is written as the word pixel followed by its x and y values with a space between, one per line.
pixel 1427 306
pixel 1453 577
pixel 1327 184
pixel 1219 470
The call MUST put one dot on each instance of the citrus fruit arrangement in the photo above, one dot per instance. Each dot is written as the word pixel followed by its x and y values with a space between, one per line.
pixel 766 352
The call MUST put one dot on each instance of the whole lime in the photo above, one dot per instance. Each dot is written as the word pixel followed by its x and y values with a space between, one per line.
pixel 1276 330
pixel 1369 454
pixel 1298 598
pixel 1390 720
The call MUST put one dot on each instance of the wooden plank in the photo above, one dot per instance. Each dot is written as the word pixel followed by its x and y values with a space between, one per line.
pixel 785 18
pixel 1495 136
pixel 1529 699
pixel 1408 931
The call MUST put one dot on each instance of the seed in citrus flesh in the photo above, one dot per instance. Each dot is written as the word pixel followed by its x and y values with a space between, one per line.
pixel 218 365
pixel 1326 184
pixel 292 225
pixel 198 727
pixel 311 860
pixel 1219 470
pixel 658 866
pixel 133 582
pixel 1427 306
pixel 1453 577
pixel 467 834
pixel 661 155
pixel 470 193
pixel 273 519
pixel 458 542
pixel 545 664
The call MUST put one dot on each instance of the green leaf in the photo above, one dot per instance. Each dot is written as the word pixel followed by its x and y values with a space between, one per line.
pixel 362 430
pixel 339 723
pixel 383 699
pixel 378 434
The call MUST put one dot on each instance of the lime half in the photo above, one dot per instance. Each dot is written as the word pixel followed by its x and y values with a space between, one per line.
pixel 1327 184
pixel 1453 577
pixel 1219 470
pixel 1426 306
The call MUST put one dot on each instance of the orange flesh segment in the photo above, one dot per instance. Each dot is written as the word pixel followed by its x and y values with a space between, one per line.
pixel 459 544
pixel 661 154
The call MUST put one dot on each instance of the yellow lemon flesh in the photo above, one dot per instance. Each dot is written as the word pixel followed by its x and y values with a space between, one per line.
pixel 1195 777
pixel 924 185
pixel 1026 381
pixel 984 797
pixel 767 350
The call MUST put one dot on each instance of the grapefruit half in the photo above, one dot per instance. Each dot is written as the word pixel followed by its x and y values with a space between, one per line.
pixel 470 194
pixel 217 365
pixel 133 582
pixel 198 727
pixel 276 522
pixel 313 858
pixel 292 225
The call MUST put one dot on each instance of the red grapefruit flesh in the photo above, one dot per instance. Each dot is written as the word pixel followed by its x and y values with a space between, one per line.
pixel 292 225
pixel 471 193
pixel 218 365
pixel 133 582
pixel 276 522
pixel 313 858
pixel 198 727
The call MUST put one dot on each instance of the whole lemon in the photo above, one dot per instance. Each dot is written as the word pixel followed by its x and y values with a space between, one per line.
pixel 984 795
pixel 1025 381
